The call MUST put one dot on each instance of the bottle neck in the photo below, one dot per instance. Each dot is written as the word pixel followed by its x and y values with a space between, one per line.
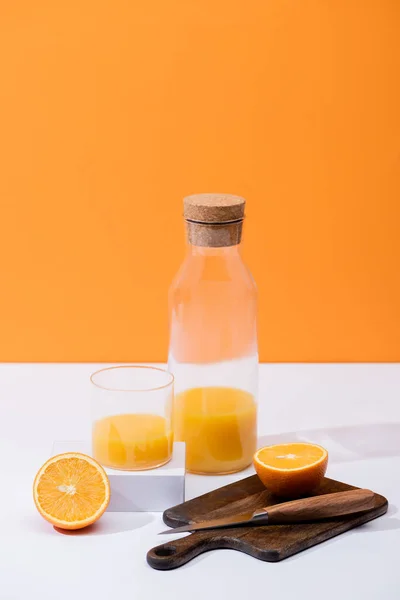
pixel 209 251
pixel 214 236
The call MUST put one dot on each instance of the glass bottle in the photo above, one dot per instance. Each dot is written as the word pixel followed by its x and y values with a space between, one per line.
pixel 213 351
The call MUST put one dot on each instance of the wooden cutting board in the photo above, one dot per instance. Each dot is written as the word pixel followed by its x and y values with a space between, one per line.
pixel 270 543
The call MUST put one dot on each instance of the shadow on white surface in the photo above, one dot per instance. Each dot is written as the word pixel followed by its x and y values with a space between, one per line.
pixel 112 523
pixel 377 525
pixel 380 524
pixel 384 523
pixel 354 442
pixel 392 510
pixel 109 524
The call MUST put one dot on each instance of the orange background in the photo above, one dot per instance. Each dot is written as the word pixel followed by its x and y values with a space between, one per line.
pixel 111 111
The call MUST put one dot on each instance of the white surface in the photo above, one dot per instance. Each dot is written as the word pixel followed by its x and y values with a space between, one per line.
pixel 353 410
pixel 140 491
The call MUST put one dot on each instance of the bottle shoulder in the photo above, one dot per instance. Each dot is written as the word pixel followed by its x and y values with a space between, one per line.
pixel 195 272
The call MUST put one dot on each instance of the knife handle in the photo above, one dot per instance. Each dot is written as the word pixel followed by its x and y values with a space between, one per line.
pixel 321 507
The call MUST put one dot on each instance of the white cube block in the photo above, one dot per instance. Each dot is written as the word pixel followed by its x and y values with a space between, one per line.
pixel 140 491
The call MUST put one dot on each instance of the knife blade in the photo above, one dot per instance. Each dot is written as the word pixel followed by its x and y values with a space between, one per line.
pixel 314 508
pixel 245 518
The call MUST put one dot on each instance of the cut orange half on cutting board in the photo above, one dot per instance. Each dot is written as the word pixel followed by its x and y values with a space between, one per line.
pixel 291 470
pixel 71 490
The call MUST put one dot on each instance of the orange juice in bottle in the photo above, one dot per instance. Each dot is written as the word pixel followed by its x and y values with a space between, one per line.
pixel 213 340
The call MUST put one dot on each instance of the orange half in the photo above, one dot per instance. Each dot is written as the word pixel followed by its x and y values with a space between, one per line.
pixel 291 470
pixel 71 490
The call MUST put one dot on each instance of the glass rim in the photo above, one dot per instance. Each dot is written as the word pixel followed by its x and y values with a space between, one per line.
pixel 146 389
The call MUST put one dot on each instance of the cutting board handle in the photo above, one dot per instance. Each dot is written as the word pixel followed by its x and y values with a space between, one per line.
pixel 178 552
pixel 321 507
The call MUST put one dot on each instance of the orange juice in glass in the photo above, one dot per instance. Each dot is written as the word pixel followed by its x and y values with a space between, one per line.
pixel 132 417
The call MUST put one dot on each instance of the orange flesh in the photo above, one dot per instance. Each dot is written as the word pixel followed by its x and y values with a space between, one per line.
pixel 290 456
pixel 71 490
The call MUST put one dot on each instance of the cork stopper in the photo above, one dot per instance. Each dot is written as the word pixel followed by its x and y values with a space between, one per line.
pixel 214 208
pixel 214 220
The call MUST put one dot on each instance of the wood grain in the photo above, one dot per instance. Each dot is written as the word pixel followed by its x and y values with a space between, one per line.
pixel 270 543
pixel 320 507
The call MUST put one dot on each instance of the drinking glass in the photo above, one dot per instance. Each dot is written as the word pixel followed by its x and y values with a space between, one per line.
pixel 132 417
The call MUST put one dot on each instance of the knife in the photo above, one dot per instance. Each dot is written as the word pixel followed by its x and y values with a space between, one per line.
pixel 295 511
